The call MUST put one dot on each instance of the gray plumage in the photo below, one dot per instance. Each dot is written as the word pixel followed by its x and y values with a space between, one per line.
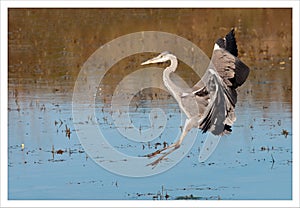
pixel 215 93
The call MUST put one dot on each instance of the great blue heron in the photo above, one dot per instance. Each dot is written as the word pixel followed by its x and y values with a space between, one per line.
pixel 215 93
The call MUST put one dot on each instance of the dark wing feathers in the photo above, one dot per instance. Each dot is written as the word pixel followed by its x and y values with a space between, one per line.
pixel 230 68
pixel 241 73
pixel 231 96
pixel 218 115
pixel 214 118
pixel 230 43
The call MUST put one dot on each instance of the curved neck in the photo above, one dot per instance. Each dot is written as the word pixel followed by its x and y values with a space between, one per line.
pixel 173 65
pixel 170 85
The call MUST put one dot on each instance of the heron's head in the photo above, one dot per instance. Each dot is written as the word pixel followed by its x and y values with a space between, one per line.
pixel 163 57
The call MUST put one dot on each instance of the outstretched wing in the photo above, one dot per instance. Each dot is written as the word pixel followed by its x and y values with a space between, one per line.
pixel 230 68
pixel 224 60
pixel 216 90
pixel 218 115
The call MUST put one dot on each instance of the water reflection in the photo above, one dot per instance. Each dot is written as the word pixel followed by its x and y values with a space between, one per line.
pixel 47 48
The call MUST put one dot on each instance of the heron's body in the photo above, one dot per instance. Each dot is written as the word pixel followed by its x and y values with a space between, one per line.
pixel 215 93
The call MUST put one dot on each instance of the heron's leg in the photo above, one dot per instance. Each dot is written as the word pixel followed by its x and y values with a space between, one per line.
pixel 187 127
pixel 189 123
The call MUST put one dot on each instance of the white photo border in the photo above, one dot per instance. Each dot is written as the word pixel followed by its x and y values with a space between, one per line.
pixel 5 5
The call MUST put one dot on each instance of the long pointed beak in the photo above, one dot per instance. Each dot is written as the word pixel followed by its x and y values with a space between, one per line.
pixel 152 61
pixel 146 62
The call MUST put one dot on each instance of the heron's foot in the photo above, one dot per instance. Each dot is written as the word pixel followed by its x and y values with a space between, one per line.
pixel 155 162
pixel 153 154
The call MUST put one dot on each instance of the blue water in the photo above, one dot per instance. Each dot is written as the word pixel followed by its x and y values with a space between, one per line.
pixel 240 168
